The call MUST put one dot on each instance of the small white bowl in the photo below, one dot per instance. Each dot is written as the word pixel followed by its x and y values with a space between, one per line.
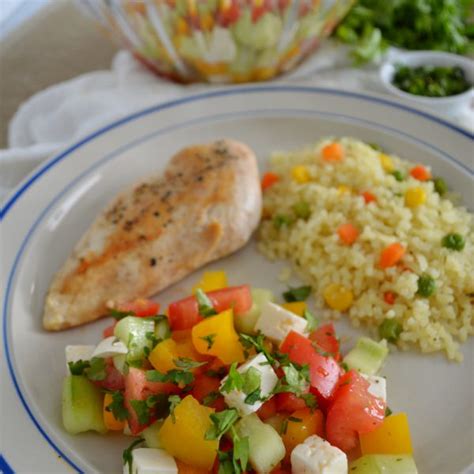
pixel 429 58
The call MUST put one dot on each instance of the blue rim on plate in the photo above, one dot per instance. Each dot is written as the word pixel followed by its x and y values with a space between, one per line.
pixel 167 105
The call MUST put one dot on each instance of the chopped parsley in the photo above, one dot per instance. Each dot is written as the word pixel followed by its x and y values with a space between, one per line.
pixel 388 412
pixel 178 377
pixel 221 423
pixel 184 363
pixel 294 419
pixel 210 339
pixel 117 406
pixel 127 455
pixel 234 380
pixel 297 294
pixel 281 220
pixel 312 321
pixel 174 401
pixel 96 371
pixel 78 367
pixel 210 398
pixel 205 307
pixel 118 315
pixel 142 410
pixel 259 343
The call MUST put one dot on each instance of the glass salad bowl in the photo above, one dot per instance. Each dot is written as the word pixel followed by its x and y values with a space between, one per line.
pixel 219 41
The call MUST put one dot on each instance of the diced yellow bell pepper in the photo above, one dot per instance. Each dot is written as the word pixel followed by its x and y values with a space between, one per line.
pixel 415 197
pixel 211 281
pixel 187 469
pixel 216 336
pixel 392 437
pixel 297 307
pixel 343 189
pixel 386 162
pixel 111 423
pixel 162 356
pixel 300 174
pixel 183 434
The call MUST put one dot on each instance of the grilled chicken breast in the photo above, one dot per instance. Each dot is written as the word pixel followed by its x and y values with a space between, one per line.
pixel 205 206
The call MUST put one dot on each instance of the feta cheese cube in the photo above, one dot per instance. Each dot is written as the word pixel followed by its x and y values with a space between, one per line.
pixel 110 347
pixel 268 380
pixel 151 461
pixel 75 353
pixel 276 322
pixel 377 387
pixel 317 456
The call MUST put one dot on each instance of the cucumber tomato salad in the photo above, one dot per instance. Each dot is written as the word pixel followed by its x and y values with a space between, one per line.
pixel 228 381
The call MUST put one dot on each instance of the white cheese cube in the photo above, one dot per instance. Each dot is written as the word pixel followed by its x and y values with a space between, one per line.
pixel 276 322
pixel 151 461
pixel 317 456
pixel 75 353
pixel 268 380
pixel 377 387
pixel 110 347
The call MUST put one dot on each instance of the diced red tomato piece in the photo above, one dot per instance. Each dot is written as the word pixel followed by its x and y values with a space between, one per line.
pixel 289 402
pixel 141 307
pixel 137 387
pixel 229 15
pixel 205 385
pixel 109 330
pixel 420 173
pixel 114 380
pixel 353 410
pixel 324 371
pixel 184 314
pixel 268 409
pixel 369 197
pixel 257 12
pixel 325 338
pixel 269 179
pixel 389 297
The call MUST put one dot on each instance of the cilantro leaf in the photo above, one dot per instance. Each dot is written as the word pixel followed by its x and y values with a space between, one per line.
pixel 225 462
pixel 127 455
pixel 159 404
pixel 296 380
pixel 178 377
pixel 118 315
pixel 156 376
pixel 258 342
pixel 297 294
pixel 251 380
pixel 310 401
pixel 174 401
pixel 210 338
pixel 233 381
pixel 78 367
pixel 221 423
pixel 240 455
pixel 117 406
pixel 185 363
pixel 253 397
pixel 312 321
pixel 96 371
pixel 205 307
pixel 294 419
pixel 142 410
pixel 210 398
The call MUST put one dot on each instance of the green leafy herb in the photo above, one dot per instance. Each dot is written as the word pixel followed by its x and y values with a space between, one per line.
pixel 117 407
pixel 221 423
pixel 251 380
pixel 294 419
pixel 159 403
pixel 241 452
pixel 390 329
pixel 296 380
pixel 205 307
pixel 226 465
pixel 453 242
pixel 388 412
pixel 216 374
pixel 142 410
pixel 127 455
pixel 344 366
pixel 234 380
pixel 310 400
pixel 210 398
pixel 302 210
pixel 78 367
pixel 398 175
pixel 174 401
pixel 96 371
pixel 426 286
pixel 178 377
pixel 297 294
pixel 210 338
pixel 184 363
pixel 440 186
pixel 258 342
pixel 284 427
pixel 312 321
pixel 118 315
pixel 281 220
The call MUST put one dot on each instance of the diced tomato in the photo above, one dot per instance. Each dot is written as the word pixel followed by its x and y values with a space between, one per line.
pixel 420 173
pixel 268 409
pixel 184 314
pixel 109 330
pixel 137 387
pixel 204 386
pixel 369 197
pixel 325 338
pixel 353 410
pixel 289 402
pixel 269 179
pixel 257 12
pixel 141 307
pixel 324 371
pixel 114 380
pixel 389 297
pixel 230 15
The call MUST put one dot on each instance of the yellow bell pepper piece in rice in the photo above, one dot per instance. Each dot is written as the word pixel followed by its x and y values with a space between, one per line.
pixel 211 281
pixel 216 336
pixel 415 197
pixel 391 437
pixel 386 162
pixel 343 189
pixel 338 297
pixel 296 307
pixel 300 174
pixel 183 434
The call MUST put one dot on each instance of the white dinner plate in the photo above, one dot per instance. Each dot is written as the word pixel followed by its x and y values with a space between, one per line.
pixel 48 212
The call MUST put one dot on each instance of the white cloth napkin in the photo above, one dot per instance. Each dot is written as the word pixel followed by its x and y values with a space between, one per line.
pixel 63 113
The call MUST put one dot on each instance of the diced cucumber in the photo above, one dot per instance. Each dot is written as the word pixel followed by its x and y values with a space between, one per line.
pixel 384 464
pixel 259 35
pixel 162 330
pixel 266 446
pixel 150 435
pixel 119 362
pixel 133 332
pixel 82 405
pixel 246 322
pixel 367 356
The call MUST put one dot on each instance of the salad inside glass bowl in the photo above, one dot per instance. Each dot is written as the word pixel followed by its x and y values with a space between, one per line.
pixel 219 41
pixel 227 381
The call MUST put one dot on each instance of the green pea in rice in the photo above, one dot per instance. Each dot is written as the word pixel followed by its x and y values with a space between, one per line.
pixel 436 323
